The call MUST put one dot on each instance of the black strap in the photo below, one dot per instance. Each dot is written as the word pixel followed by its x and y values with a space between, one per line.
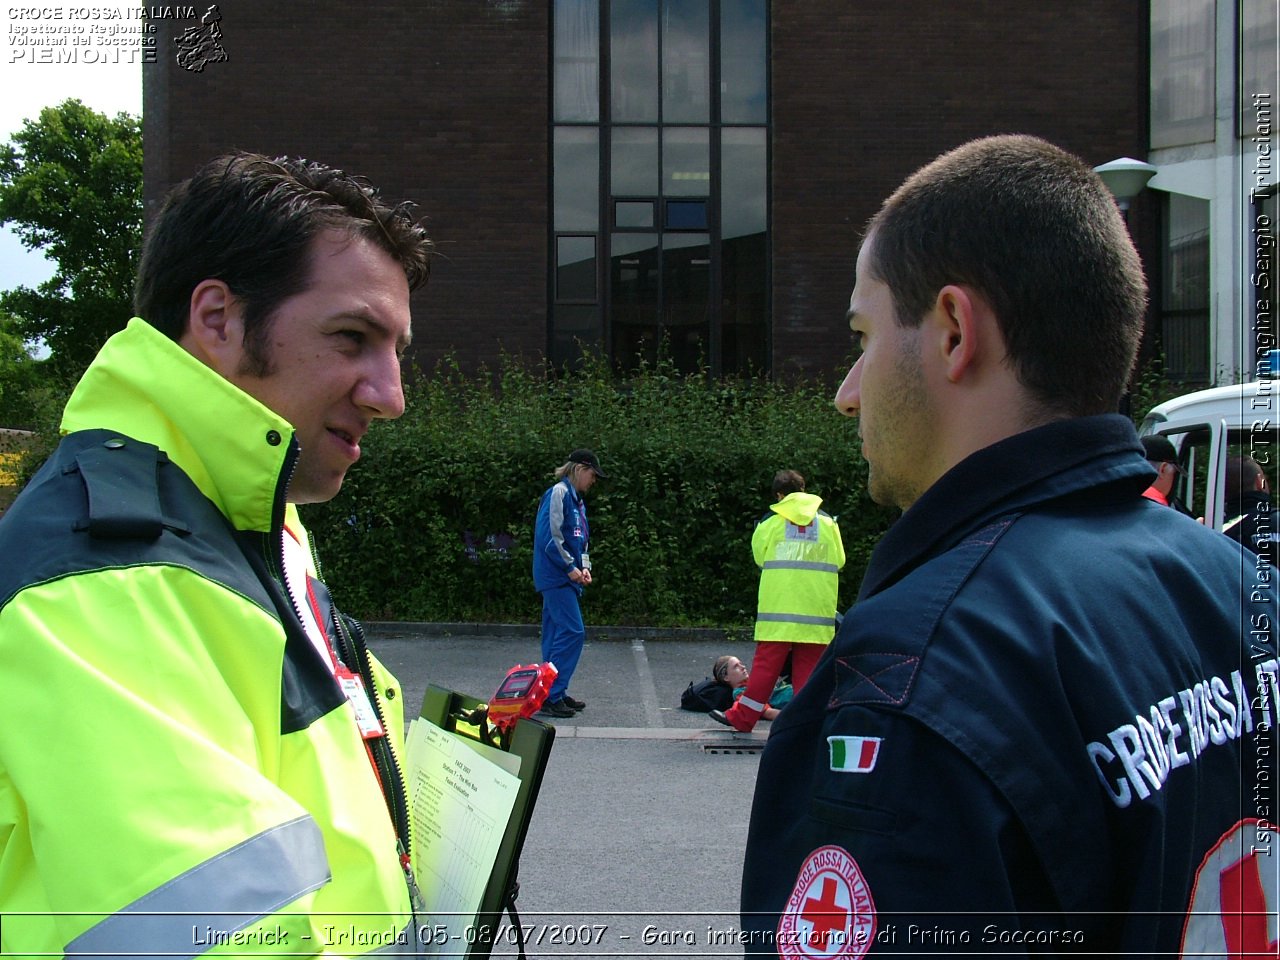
pixel 510 906
pixel 121 480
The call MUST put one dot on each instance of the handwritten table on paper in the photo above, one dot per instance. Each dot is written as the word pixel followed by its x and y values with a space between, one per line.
pixel 461 797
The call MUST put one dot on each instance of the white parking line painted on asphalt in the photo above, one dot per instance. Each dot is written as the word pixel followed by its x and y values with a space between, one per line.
pixel 648 691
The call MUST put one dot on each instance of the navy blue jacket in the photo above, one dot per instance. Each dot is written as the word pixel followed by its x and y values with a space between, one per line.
pixel 560 537
pixel 1052 706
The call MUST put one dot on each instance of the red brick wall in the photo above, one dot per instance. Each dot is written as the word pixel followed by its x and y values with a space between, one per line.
pixel 446 102
pixel 443 102
pixel 865 92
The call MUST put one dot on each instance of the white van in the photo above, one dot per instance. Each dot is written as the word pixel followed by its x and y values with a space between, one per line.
pixel 1208 425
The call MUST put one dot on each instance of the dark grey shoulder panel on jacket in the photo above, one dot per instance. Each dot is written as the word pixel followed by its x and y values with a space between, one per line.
pixel 104 500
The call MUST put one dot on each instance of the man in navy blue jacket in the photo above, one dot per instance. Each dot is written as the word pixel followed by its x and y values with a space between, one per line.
pixel 1047 725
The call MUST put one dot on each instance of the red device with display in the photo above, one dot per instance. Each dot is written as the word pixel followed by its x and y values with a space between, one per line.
pixel 521 694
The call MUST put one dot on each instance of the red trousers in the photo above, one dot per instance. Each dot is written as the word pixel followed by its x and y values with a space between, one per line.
pixel 766 667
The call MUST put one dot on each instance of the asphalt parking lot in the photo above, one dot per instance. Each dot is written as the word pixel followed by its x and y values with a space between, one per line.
pixel 635 847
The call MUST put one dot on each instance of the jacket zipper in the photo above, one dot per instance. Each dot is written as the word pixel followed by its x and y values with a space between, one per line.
pixel 352 649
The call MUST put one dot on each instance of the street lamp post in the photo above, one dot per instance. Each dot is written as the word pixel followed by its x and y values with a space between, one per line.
pixel 1125 178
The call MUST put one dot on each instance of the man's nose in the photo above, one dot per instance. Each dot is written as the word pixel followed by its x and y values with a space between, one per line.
pixel 382 390
pixel 849 397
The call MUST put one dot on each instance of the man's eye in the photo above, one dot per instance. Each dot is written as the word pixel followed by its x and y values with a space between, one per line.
pixel 355 336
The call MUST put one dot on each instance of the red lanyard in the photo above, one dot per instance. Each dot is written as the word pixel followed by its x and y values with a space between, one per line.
pixel 350 683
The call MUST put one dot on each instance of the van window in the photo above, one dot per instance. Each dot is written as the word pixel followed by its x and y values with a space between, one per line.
pixel 1193 447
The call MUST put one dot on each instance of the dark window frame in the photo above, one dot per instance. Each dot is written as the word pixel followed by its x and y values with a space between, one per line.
pixel 714 344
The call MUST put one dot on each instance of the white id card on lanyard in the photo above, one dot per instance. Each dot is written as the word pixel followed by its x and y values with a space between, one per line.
pixel 358 697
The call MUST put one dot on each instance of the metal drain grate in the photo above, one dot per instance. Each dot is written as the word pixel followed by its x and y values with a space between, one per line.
pixel 733 746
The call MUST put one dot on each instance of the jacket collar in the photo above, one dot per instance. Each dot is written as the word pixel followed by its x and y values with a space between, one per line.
pixel 573 491
pixel 237 451
pixel 1097 455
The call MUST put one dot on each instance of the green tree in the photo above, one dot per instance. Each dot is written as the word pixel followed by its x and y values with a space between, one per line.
pixel 71 185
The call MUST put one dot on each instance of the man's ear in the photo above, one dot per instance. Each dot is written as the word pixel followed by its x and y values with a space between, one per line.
pixel 215 326
pixel 957 330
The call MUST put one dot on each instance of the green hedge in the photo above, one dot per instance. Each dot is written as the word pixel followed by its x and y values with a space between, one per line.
pixel 690 462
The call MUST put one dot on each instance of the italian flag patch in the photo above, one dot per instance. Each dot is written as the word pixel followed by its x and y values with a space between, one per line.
pixel 853 754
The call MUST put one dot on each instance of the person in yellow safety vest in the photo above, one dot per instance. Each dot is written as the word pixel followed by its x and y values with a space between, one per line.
pixel 799 552
pixel 198 754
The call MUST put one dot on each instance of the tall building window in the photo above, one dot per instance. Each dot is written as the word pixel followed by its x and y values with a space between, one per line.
pixel 1182 72
pixel 1259 41
pixel 660 182
pixel 1185 290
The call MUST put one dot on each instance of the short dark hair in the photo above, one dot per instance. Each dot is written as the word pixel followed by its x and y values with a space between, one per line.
pixel 788 481
pixel 249 221
pixel 1034 231
pixel 1242 475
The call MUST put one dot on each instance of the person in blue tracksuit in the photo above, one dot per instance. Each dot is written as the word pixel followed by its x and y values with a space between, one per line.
pixel 1048 723
pixel 561 568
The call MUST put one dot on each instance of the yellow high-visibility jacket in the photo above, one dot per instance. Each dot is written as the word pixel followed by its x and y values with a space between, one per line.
pixel 799 553
pixel 179 772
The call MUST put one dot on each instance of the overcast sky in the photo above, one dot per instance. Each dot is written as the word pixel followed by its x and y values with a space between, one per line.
pixel 36 73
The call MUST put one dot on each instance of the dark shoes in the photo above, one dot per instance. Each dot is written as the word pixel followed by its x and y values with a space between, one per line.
pixel 559 708
pixel 575 704
pixel 719 717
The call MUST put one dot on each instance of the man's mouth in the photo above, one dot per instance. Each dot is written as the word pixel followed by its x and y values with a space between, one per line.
pixel 350 439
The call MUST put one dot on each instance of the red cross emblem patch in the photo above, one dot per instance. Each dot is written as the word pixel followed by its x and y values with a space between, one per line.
pixel 1235 902
pixel 830 912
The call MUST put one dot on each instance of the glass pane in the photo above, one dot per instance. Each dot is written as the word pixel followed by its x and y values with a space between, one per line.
pixel 633 278
pixel 1185 304
pixel 633 60
pixel 744 310
pixel 686 62
pixel 577 178
pixel 1258 63
pixel 686 162
pixel 577 60
pixel 575 332
pixel 743 251
pixel 575 268
pixel 743 182
pixel 634 162
pixel 743 63
pixel 686 215
pixel 1182 67
pixel 686 298
pixel 1187 256
pixel 633 214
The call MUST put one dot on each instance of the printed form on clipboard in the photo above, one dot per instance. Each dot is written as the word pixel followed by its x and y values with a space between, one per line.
pixel 461 795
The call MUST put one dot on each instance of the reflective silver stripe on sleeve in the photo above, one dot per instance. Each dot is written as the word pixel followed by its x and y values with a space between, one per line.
pixel 796 618
pixel 801 565
pixel 755 705
pixel 555 515
pixel 228 892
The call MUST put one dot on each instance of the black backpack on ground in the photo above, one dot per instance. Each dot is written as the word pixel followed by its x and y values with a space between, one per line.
pixel 705 696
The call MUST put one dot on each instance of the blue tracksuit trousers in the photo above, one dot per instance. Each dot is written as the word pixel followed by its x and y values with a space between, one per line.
pixel 562 636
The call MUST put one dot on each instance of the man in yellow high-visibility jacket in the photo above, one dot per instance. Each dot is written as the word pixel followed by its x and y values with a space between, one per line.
pixel 198 754
pixel 799 552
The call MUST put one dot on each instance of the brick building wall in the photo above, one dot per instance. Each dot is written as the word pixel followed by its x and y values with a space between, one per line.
pixel 446 102
pixel 443 102
pixel 865 92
